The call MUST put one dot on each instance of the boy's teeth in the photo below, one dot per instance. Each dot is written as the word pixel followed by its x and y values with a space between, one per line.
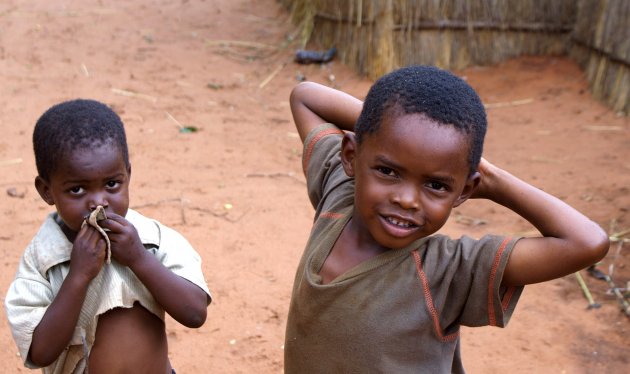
pixel 398 223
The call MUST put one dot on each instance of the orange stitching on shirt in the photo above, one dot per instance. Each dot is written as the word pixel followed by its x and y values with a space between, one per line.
pixel 492 319
pixel 314 140
pixel 507 297
pixel 331 215
pixel 429 301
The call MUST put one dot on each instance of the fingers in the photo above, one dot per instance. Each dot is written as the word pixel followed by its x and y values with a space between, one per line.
pixel 114 222
pixel 88 253
pixel 115 217
pixel 484 165
pixel 87 235
pixel 93 239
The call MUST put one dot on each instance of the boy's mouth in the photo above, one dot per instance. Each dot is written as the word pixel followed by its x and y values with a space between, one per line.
pixel 398 227
pixel 400 223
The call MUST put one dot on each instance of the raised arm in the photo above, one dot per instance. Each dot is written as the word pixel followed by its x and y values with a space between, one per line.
pixel 570 242
pixel 313 104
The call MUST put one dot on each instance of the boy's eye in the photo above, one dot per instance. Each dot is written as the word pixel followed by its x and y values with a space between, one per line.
pixel 76 190
pixel 438 186
pixel 386 171
pixel 112 184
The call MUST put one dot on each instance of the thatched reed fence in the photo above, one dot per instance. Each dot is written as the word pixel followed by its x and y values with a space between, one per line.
pixel 376 36
pixel 601 45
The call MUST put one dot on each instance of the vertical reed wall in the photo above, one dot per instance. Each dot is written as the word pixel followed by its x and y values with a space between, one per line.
pixel 377 36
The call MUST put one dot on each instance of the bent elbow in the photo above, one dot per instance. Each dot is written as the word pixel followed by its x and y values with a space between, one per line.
pixel 598 245
pixel 41 360
pixel 601 249
pixel 196 319
pixel 195 316
pixel 298 92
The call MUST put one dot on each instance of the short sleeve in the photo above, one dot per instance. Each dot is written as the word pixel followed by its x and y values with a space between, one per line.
pixel 465 277
pixel 321 161
pixel 26 302
pixel 177 255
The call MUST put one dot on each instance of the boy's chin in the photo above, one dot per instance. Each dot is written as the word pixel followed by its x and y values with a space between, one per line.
pixel 392 242
pixel 69 231
pixel 397 243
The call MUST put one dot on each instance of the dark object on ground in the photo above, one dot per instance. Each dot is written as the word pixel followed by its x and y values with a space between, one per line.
pixel 308 57
pixel 596 273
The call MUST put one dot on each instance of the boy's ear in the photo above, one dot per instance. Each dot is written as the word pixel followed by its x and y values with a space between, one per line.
pixel 43 189
pixel 471 183
pixel 348 153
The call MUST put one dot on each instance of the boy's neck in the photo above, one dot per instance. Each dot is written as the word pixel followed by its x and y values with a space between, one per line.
pixel 353 247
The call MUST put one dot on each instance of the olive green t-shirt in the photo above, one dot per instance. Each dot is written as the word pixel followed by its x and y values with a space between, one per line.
pixel 398 312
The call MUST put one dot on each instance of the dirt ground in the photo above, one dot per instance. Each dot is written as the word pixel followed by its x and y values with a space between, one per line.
pixel 235 187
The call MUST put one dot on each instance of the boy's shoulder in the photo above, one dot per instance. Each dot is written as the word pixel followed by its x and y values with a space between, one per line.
pixel 444 243
pixel 464 256
pixel 149 229
pixel 316 148
pixel 49 246
pixel 155 234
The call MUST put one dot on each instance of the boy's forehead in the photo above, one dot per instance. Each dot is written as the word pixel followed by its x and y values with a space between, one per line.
pixel 78 156
pixel 403 125
pixel 86 148
pixel 416 135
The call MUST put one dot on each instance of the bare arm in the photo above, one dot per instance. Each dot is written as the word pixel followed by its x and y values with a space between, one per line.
pixel 181 299
pixel 313 104
pixel 54 331
pixel 570 242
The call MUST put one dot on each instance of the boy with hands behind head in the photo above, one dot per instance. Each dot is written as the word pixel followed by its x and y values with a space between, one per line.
pixel 69 311
pixel 377 290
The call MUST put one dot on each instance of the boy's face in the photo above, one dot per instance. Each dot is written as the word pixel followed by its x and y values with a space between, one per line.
pixel 408 176
pixel 84 179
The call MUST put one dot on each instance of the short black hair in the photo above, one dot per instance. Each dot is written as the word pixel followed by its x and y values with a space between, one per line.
pixel 72 125
pixel 438 94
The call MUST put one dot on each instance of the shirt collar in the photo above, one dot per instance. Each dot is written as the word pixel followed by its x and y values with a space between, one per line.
pixel 52 247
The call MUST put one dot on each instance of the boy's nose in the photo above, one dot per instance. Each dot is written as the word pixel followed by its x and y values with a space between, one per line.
pixel 97 200
pixel 407 197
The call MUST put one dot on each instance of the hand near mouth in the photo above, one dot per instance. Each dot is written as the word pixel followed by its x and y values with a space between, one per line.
pixel 98 214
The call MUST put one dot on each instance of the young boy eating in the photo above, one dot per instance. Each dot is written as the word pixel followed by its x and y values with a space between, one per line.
pixel 71 311
pixel 377 289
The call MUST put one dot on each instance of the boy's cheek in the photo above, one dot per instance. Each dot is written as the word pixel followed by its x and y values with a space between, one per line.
pixel 73 226
pixel 72 220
